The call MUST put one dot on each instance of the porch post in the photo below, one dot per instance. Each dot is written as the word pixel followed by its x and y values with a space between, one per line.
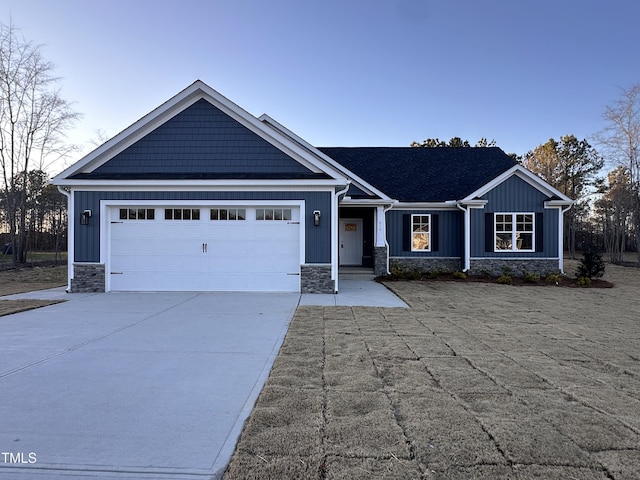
pixel 380 247
pixel 381 228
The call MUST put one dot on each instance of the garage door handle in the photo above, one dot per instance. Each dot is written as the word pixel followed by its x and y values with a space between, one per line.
pixel 293 274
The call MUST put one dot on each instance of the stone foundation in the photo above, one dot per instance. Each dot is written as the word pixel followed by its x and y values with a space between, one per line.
pixel 380 261
pixel 87 277
pixel 425 264
pixel 494 266
pixel 316 279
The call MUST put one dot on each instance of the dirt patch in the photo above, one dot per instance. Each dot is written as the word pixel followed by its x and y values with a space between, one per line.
pixel 475 380
pixel 28 279
pixel 7 307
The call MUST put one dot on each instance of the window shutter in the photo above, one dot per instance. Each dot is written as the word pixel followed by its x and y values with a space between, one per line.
pixel 406 233
pixel 539 232
pixel 435 233
pixel 489 237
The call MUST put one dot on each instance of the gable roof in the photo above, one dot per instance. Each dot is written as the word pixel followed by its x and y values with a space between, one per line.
pixel 411 174
pixel 131 146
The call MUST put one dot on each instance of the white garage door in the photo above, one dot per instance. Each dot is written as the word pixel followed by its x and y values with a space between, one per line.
pixel 204 248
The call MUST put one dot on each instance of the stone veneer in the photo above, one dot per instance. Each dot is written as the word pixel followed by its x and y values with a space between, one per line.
pixel 425 264
pixel 316 279
pixel 87 277
pixel 495 266
pixel 380 261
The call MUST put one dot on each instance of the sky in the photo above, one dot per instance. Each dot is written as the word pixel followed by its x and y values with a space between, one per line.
pixel 346 72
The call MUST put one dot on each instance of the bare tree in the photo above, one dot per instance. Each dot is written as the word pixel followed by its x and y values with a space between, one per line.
pixel 33 120
pixel 621 141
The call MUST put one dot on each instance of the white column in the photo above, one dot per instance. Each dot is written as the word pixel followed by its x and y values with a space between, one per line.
pixel 381 227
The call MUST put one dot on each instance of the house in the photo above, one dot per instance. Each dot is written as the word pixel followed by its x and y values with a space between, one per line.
pixel 200 195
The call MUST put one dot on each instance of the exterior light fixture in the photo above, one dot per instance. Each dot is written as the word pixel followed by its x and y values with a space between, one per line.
pixel 316 217
pixel 84 218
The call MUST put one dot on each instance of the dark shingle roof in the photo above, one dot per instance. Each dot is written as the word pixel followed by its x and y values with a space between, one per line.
pixel 418 174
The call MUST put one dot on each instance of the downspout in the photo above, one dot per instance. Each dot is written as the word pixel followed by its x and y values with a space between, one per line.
pixel 561 238
pixel 467 237
pixel 384 213
pixel 334 235
pixel 70 234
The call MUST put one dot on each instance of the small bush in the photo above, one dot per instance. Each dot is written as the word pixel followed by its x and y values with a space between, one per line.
pixel 459 275
pixel 505 280
pixel 401 273
pixel 583 281
pixel 553 278
pixel 591 264
pixel 529 277
pixel 433 274
pixel 485 272
pixel 507 271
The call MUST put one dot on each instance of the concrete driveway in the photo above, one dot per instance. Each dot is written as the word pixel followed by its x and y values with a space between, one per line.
pixel 134 385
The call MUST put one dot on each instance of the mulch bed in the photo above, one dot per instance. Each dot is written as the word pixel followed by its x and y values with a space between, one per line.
pixel 515 281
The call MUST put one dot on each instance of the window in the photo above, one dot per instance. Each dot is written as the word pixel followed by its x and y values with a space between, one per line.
pixel 228 214
pixel 137 214
pixel 420 233
pixel 273 214
pixel 182 214
pixel 514 232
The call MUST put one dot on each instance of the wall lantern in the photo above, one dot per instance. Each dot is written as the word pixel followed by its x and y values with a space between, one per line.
pixel 84 218
pixel 316 217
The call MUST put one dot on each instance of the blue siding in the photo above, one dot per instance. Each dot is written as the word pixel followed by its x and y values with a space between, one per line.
pixel 450 239
pixel 317 239
pixel 511 196
pixel 203 140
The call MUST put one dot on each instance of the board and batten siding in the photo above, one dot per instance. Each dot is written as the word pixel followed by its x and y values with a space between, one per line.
pixel 450 227
pixel 317 239
pixel 512 196
pixel 201 140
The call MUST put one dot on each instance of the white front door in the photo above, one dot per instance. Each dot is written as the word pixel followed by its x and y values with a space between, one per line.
pixel 350 239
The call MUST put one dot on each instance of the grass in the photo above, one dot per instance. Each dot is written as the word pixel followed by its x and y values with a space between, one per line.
pixel 27 279
pixel 37 257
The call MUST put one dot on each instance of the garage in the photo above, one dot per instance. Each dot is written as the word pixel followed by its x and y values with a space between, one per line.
pixel 204 248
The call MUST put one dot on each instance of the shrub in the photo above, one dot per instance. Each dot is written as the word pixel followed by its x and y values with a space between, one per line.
pixel 553 278
pixel 459 275
pixel 507 271
pixel 529 277
pixel 505 280
pixel 583 281
pixel 591 264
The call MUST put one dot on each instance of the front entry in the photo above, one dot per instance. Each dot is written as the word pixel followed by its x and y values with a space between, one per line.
pixel 350 239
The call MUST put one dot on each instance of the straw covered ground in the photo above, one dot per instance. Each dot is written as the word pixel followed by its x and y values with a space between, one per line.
pixel 477 381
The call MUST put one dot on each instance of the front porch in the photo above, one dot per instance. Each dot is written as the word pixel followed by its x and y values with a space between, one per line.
pixel 362 241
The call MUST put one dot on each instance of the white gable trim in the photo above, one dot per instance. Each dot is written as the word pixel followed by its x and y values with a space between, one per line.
pixel 355 179
pixel 529 177
pixel 180 102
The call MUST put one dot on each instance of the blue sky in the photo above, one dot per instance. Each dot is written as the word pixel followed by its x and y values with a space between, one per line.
pixel 348 72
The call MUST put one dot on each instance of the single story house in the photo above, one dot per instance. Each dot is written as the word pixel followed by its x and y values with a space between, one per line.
pixel 200 195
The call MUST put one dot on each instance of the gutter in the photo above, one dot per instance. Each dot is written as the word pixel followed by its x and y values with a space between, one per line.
pixel 334 234
pixel 70 233
pixel 467 236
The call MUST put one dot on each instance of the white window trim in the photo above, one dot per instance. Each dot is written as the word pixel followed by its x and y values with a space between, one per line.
pixel 428 233
pixel 514 240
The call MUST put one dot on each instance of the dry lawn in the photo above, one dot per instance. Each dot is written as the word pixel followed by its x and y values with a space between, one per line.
pixel 27 280
pixel 475 381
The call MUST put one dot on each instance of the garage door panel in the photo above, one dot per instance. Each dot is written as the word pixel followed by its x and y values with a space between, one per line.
pixel 204 255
